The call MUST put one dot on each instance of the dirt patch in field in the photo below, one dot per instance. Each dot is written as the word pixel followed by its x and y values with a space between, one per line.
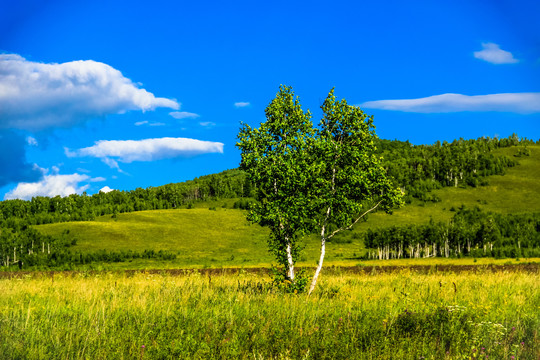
pixel 360 270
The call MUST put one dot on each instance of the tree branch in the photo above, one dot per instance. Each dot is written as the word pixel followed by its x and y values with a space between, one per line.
pixel 355 221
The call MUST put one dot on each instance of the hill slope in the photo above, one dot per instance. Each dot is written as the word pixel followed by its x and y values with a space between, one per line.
pixel 223 237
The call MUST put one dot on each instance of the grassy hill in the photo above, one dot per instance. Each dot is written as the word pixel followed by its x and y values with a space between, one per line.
pixel 222 237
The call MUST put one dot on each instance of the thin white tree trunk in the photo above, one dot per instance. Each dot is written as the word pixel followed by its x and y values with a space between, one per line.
pixel 290 262
pixel 319 266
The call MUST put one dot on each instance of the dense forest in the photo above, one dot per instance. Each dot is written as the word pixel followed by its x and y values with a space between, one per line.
pixel 471 232
pixel 417 169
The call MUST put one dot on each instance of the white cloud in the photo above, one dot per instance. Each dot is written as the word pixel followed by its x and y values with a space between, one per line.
pixel 128 151
pixel 113 164
pixel 37 96
pixel 183 115
pixel 105 189
pixel 109 162
pixel 241 104
pixel 140 123
pixel 494 54
pixel 207 124
pixel 31 141
pixel 523 103
pixel 50 185
pixel 97 179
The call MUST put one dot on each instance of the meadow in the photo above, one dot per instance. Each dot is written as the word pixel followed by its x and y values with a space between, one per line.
pixel 402 315
pixel 101 311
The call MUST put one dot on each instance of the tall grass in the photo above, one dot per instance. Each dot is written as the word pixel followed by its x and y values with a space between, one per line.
pixel 389 316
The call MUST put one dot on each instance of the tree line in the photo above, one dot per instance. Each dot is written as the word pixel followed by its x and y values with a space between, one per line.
pixel 471 232
pixel 44 210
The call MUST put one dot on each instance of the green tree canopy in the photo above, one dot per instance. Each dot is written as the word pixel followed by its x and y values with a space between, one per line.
pixel 311 178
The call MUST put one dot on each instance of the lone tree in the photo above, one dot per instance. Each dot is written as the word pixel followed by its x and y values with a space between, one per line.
pixel 322 179
pixel 275 159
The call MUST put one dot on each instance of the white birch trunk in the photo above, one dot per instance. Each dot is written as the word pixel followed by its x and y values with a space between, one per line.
pixel 319 266
pixel 321 259
pixel 290 262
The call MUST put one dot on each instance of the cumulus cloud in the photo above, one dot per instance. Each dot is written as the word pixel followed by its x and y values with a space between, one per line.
pixel 50 185
pixel 36 96
pixel 522 103
pixel 494 54
pixel 128 151
pixel 241 104
pixel 105 189
pixel 13 164
pixel 184 115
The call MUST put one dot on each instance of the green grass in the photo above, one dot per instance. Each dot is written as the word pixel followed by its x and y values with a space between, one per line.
pixel 222 237
pixel 199 236
pixel 402 315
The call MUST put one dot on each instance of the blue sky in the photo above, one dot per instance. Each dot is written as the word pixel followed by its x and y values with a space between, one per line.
pixel 118 95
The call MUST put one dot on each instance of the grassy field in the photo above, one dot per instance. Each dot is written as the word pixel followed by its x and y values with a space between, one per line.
pixel 222 237
pixel 402 315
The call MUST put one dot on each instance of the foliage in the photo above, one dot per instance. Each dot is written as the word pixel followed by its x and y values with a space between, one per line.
pixel 308 178
pixel 276 160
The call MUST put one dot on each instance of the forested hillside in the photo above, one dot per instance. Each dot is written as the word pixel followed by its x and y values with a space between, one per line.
pixel 420 169
pixel 417 169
